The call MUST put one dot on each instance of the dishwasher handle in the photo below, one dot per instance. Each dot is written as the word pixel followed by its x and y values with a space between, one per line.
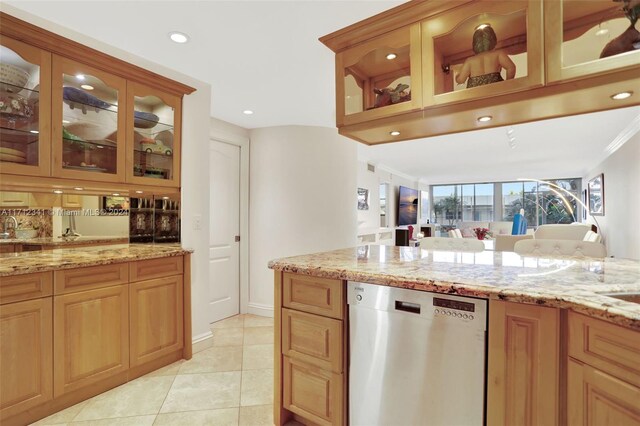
pixel 413 308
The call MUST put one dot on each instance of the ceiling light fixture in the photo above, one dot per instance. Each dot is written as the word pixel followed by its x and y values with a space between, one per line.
pixel 86 87
pixel 139 192
pixel 247 112
pixel 395 133
pixel 78 188
pixel 178 37
pixel 80 76
pixel 35 132
pixel 99 146
pixel 165 198
pixel 484 118
pixel 115 194
pixel 391 56
pixel 621 95
pixel 57 191
pixel 482 26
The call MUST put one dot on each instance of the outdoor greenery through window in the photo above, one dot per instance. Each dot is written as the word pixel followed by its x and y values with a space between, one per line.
pixel 485 202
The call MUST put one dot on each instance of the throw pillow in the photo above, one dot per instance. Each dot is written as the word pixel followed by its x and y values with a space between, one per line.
pixel 468 233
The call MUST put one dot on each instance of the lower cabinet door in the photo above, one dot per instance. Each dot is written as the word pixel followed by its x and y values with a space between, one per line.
pixel 313 393
pixel 598 399
pixel 91 337
pixel 156 318
pixel 26 361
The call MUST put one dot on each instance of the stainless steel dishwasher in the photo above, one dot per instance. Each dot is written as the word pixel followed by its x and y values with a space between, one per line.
pixel 416 358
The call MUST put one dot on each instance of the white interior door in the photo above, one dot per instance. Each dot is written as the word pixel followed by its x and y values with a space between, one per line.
pixel 224 226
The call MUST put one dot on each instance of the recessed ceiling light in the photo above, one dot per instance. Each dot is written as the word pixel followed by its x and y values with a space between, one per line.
pixel 391 56
pixel 80 76
pixel 165 198
pixel 247 112
pixel 78 188
pixel 86 87
pixel 35 132
pixel 99 146
pixel 484 118
pixel 139 192
pixel 621 95
pixel 57 191
pixel 395 133
pixel 115 194
pixel 178 37
pixel 481 26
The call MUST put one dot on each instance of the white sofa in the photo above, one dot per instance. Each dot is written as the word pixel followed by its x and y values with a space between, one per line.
pixel 495 228
pixel 573 248
pixel 571 232
pixel 452 244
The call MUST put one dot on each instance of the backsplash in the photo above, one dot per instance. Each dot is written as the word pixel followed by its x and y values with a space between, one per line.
pixel 41 221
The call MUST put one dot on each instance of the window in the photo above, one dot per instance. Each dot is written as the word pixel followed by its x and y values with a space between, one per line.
pixel 424 206
pixel 467 203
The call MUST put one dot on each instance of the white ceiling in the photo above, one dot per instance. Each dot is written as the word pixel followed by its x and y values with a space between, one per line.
pixel 265 56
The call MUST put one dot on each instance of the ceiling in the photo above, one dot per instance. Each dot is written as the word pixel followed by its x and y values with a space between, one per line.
pixel 265 56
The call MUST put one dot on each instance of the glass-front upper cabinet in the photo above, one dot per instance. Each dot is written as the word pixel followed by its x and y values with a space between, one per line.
pixel 88 124
pixel 25 109
pixel 592 37
pixel 482 49
pixel 153 133
pixel 379 78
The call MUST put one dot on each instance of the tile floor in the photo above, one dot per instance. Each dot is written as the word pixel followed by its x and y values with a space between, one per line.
pixel 230 383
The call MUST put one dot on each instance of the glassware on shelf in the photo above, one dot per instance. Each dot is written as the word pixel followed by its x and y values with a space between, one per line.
pixel 153 138
pixel 19 109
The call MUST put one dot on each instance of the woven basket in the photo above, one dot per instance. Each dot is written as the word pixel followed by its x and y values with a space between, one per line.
pixel 13 75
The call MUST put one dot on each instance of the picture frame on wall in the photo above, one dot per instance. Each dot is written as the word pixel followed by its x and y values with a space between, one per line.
pixel 596 195
pixel 363 199
pixel 114 206
pixel 584 203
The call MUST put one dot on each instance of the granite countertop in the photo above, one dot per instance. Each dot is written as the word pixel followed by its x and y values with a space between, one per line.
pixel 573 283
pixel 68 258
pixel 63 241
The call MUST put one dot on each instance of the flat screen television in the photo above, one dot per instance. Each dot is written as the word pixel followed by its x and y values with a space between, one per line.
pixel 407 206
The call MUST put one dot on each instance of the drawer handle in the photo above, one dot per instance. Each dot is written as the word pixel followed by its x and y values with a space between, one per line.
pixel 413 308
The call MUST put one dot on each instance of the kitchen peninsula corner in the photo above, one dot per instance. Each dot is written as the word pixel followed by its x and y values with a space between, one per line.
pixel 77 322
pixel 553 330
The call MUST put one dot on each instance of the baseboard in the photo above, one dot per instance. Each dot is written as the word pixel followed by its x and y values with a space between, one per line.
pixel 260 309
pixel 202 342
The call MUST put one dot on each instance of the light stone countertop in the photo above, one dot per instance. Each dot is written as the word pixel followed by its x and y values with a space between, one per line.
pixel 571 283
pixel 69 258
pixel 65 241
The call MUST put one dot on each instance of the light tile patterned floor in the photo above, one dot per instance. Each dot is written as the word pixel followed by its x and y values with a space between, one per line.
pixel 230 383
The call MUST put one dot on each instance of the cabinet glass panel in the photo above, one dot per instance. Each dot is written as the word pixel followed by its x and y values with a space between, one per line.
pixel 597 29
pixel 153 124
pixel 485 48
pixel 19 108
pixel 89 124
pixel 380 76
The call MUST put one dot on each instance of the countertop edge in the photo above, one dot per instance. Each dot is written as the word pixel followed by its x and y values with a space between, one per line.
pixel 551 300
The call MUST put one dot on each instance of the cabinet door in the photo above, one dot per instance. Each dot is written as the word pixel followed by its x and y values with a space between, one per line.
pixel 91 335
pixel 156 318
pixel 14 199
pixel 523 368
pixel 153 136
pixel 72 201
pixel 313 393
pixel 25 109
pixel 598 399
pixel 27 379
pixel 88 122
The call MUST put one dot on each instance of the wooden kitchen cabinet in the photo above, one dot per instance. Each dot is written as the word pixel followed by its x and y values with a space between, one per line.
pixel 71 201
pixel 91 337
pixel 523 364
pixel 14 199
pixel 26 355
pixel 156 318
pixel 311 350
pixel 25 111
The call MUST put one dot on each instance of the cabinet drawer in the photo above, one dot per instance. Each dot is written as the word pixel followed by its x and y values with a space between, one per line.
pixel 81 279
pixel 596 398
pixel 156 268
pixel 25 287
pixel 313 393
pixel 320 296
pixel 608 347
pixel 313 339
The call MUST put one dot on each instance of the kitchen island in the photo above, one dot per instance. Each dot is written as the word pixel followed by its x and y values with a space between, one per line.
pixel 561 331
pixel 76 322
pixel 18 245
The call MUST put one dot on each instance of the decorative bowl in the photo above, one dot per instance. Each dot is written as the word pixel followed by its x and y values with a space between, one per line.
pixel 144 120
pixel 14 76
